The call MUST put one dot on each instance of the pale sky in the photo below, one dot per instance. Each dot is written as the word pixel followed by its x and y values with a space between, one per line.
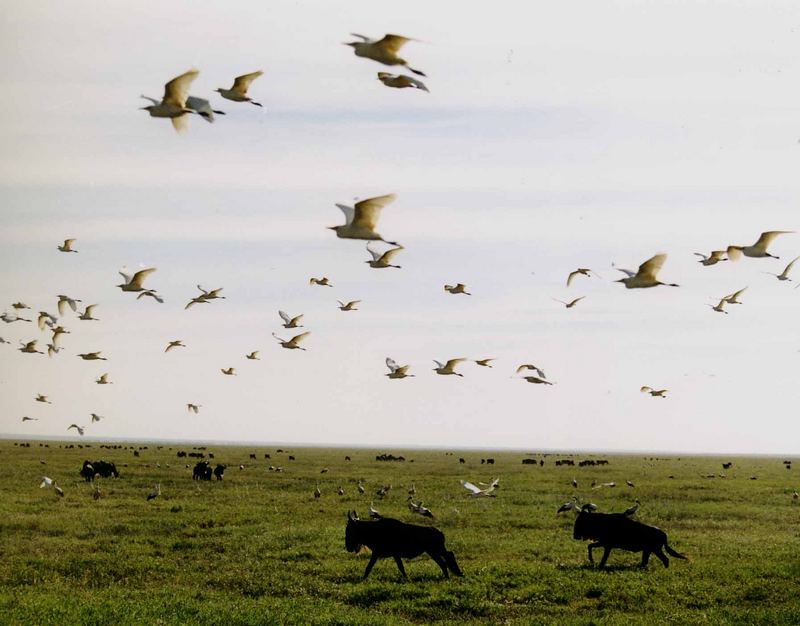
pixel 555 136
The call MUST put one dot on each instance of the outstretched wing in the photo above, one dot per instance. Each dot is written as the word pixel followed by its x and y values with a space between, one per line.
pixel 138 277
pixel 392 365
pixel 177 90
pixel 393 43
pixel 284 316
pixel 367 212
pixel 766 238
pixel 375 255
pixel 242 83
pixel 453 362
pixel 349 213
pixel 387 256
pixel 652 266
pixel 470 487
pixel 300 337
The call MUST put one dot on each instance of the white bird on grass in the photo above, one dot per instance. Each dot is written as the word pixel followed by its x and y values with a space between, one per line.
pixel 362 218
pixel 568 506
pixel 67 246
pixel 155 493
pixel 382 50
pixel 448 369
pixel 373 512
pixel 395 370
pixel 46 482
pixel 784 275
pixel 238 92
pixel 759 248
pixel 292 344
pixel 416 507
pixel 401 81
pixel 173 104
pixel 290 322
pixel 133 282
pixel 632 510
pixel 382 260
pixel 646 275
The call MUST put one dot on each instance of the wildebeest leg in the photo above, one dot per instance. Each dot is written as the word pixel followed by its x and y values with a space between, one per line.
pixel 662 557
pixel 645 558
pixel 440 562
pixel 372 560
pixel 606 552
pixel 402 569
pixel 450 559
pixel 591 547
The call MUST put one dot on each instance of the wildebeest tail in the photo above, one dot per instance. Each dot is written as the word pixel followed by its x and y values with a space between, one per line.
pixel 677 555
pixel 450 559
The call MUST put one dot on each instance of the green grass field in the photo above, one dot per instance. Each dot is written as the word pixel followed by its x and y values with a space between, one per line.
pixel 258 548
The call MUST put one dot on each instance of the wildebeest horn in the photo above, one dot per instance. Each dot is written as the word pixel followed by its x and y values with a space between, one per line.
pixel 587 508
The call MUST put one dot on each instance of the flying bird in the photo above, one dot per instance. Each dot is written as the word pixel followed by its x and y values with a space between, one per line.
pixel 29 347
pixel 230 371
pixel 536 380
pixel 382 50
pixel 715 257
pixel 571 303
pixel 63 301
pixel 646 275
pixel 173 104
pixel 238 92
pixel 322 282
pixel 46 319
pixel 174 344
pixel 362 218
pixel 80 429
pixel 446 369
pixel 784 275
pixel 656 393
pixel 484 362
pixel 253 356
pixel 41 398
pixel 202 107
pixel 531 366
pixel 133 282
pixel 93 356
pixel 198 300
pixel 13 317
pixel 195 408
pixel 350 306
pixel 151 293
pixel 96 417
pixel 581 271
pixel 20 305
pixel 381 260
pixel 87 313
pixel 734 297
pixel 759 248
pixel 211 294
pixel 30 419
pixel 457 288
pixel 52 349
pixel 292 344
pixel 395 370
pixel 290 322
pixel 103 380
pixel 401 81
pixel 418 508
pixel 67 246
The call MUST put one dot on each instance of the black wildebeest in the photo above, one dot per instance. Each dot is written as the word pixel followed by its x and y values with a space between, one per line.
pixel 388 537
pixel 106 469
pixel 219 470
pixel 617 530
pixel 202 471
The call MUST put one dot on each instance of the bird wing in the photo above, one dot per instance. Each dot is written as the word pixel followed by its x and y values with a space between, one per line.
pixel 451 364
pixel 180 124
pixel 628 273
pixel 571 276
pixel 367 212
pixel 387 256
pixel 735 294
pixel 297 318
pixel 470 487
pixel 700 254
pixel 138 277
pixel 89 309
pixel 716 254
pixel 352 303
pixel 278 338
pixel 61 307
pixel 201 105
pixel 392 364
pixel 652 266
pixel 766 238
pixel 341 303
pixel 440 365
pixel 646 389
pixel 789 267
pixel 576 300
pixel 300 337
pixel 392 43
pixel 375 255
pixel 241 83
pixel 348 211
pixel 366 39
pixel 177 90
pixel 284 316
pixel 41 320
pixel 154 101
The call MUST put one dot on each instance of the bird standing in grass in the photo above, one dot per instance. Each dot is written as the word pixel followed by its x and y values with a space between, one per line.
pixel 155 493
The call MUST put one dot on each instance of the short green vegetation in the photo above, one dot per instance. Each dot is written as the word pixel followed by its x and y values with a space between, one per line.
pixel 258 548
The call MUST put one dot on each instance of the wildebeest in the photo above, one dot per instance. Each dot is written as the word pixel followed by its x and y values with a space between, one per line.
pixel 202 471
pixel 91 469
pixel 387 537
pixel 219 470
pixel 253 456
pixel 617 530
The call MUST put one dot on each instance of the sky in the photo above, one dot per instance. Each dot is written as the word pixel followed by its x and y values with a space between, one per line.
pixel 554 136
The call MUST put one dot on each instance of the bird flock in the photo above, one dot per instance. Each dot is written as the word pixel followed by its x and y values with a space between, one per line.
pixel 360 223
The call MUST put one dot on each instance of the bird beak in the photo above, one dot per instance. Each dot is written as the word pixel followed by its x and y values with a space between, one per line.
pixel 331 227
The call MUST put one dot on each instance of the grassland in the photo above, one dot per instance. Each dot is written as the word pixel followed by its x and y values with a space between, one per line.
pixel 258 548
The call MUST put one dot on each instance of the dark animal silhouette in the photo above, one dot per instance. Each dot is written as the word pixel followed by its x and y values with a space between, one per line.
pixel 202 471
pixel 219 470
pixel 105 469
pixel 388 537
pixel 617 530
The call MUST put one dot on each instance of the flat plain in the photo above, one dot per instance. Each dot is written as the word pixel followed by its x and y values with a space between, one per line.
pixel 258 548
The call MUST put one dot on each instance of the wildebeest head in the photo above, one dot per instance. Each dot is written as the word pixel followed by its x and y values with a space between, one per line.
pixel 351 533
pixel 584 527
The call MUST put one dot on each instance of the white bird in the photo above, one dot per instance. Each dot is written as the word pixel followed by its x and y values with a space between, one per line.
pixel 13 317
pixel 581 271
pixel 373 512
pixel 734 297
pixel 103 380
pixel 536 380
pixel 395 370
pixel 656 393
pixel 58 490
pixel 457 288
pixel 715 257
pixel 412 490
pixel 80 429
pixel 401 81
pixel 238 92
pixel 29 347
pixel 350 306
pixel 87 313
pixel 174 344
pixel 290 322
pixel 292 344
pixel 52 349
pixel 151 293
pixel 382 260
pixel 211 294
pixel 230 371
pixel 173 104
pixel 759 248
pixel 198 300
pixel 133 282
pixel 361 219
pixel 531 366
pixel 485 362
pixel 612 485
pixel 93 356
pixel 322 282
pixel 382 50
pixel 646 275
pixel 96 417
pixel 41 398
pixel 632 510
pixel 575 483
pixel 418 508
pixel 57 332
pixel 719 308
pixel 340 491
pixel 195 408
pixel 477 492
pixel 46 319
pixel 568 506
pixel 630 484
pixel 784 275
pixel 63 301
pixel 67 246
pixel 360 487
pixel 317 492
pixel 46 482
pixel 571 303
pixel 203 108
pixel 446 369
pixel 155 493
pixel 20 305
pixel 253 356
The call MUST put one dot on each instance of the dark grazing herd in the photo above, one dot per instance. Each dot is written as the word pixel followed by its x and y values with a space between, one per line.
pixel 386 537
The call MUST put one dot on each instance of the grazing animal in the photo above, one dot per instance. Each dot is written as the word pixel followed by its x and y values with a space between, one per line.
pixel 219 471
pixel 617 530
pixel 387 537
